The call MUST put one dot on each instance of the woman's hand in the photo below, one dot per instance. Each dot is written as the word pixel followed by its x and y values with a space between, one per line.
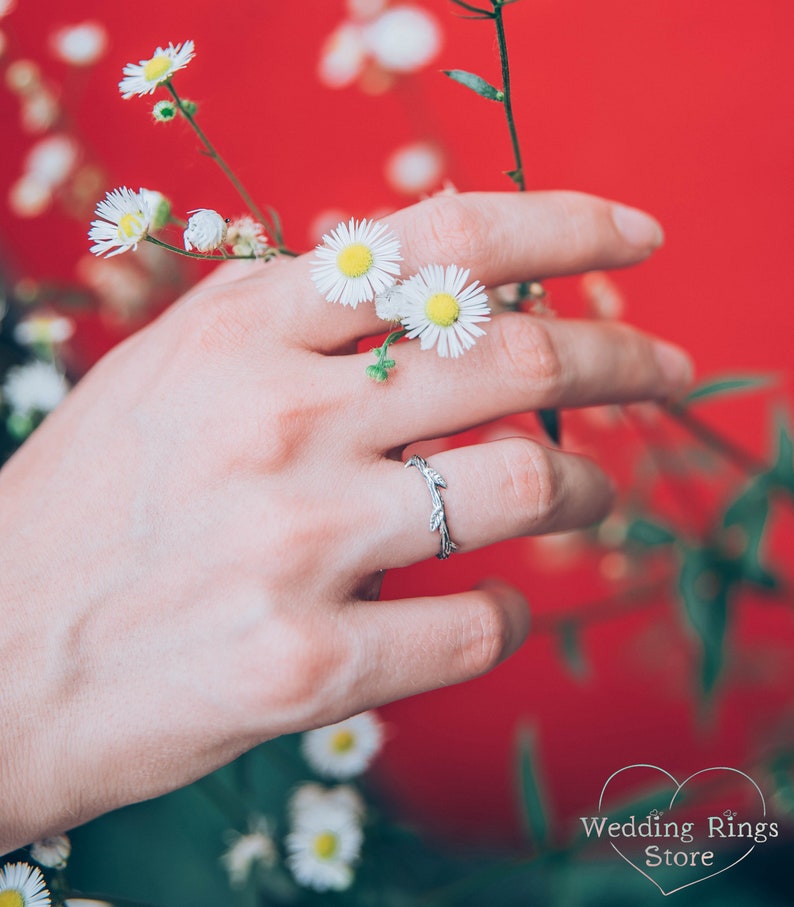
pixel 193 542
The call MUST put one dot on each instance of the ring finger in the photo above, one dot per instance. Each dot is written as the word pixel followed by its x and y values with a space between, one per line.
pixel 495 491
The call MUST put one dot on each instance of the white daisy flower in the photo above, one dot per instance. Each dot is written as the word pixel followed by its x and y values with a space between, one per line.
pixel 311 797
pixel 356 261
pixel 247 851
pixel 52 160
pixel 142 78
pixel 28 197
pixel 126 222
pixel 206 230
pixel 80 45
pixel 346 749
pixel 22 885
pixel 43 329
pixel 324 843
pixel 415 168
pixel 52 852
pixel 342 57
pixel 403 39
pixel 246 236
pixel 37 387
pixel 441 312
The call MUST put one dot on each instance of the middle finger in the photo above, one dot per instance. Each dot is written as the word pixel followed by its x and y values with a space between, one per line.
pixel 523 363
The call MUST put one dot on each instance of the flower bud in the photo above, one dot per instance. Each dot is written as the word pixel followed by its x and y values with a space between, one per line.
pixel 206 230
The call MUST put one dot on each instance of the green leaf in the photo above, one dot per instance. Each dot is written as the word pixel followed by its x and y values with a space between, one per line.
pixel 646 532
pixel 704 593
pixel 550 420
pixel 570 641
pixel 728 384
pixel 532 799
pixel 517 176
pixel 782 473
pixel 744 525
pixel 476 83
pixel 484 13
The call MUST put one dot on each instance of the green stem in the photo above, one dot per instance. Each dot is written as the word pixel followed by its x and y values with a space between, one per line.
pixel 518 178
pixel 201 255
pixel 241 190
pixel 380 370
pixel 740 458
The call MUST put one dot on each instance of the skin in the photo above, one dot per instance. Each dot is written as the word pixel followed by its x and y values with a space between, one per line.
pixel 193 542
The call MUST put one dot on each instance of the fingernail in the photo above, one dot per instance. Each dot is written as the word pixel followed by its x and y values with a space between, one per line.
pixel 675 365
pixel 637 228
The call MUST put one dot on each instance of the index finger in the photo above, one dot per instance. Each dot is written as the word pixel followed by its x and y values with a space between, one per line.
pixel 501 237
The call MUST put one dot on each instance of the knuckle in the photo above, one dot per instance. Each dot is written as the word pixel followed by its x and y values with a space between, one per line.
pixel 525 349
pixel 489 637
pixel 308 665
pixel 451 228
pixel 532 484
pixel 214 322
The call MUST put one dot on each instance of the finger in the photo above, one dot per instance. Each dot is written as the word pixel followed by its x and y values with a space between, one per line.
pixel 523 363
pixel 501 237
pixel 414 645
pixel 495 491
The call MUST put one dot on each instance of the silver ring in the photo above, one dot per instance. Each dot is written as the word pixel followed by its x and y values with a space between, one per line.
pixel 438 518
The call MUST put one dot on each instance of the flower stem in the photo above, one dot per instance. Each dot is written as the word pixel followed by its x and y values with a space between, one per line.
pixel 241 190
pixel 740 458
pixel 380 370
pixel 201 255
pixel 517 175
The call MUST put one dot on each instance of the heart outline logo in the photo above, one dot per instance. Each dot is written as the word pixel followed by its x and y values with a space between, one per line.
pixel 678 789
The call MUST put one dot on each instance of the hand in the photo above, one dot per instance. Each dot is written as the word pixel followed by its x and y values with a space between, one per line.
pixel 193 542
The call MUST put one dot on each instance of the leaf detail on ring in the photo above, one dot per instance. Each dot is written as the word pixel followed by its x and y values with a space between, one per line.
pixel 436 518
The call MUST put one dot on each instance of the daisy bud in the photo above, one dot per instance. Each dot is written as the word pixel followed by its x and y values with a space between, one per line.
pixel 206 230
pixel 164 111
pixel 52 852
pixel 390 304
pixel 159 208
pixel 190 107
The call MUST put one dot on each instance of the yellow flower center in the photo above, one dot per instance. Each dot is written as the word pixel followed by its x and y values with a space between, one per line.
pixel 325 846
pixel 11 898
pixel 342 742
pixel 156 68
pixel 442 309
pixel 130 226
pixel 354 260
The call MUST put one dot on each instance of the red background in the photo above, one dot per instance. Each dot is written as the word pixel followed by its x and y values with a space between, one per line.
pixel 681 107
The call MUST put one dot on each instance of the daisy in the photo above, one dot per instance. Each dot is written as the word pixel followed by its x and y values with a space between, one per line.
pixel 206 230
pixel 80 45
pixel 52 852
pixel 22 885
pixel 142 78
pixel 126 222
pixel 247 851
pixel 311 797
pixel 45 329
pixel 357 261
pixel 324 843
pixel 345 749
pixel 246 237
pixel 441 312
pixel 37 387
